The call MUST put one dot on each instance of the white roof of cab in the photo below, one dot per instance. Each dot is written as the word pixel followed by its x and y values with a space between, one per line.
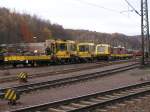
pixel 71 41
pixel 107 45
pixel 92 44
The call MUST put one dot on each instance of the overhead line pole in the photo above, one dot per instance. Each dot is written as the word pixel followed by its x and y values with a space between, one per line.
pixel 147 22
pixel 142 35
pixel 145 39
pixel 145 31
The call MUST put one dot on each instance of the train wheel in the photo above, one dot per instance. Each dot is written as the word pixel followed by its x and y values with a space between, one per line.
pixel 14 65
pixel 34 64
pixel 25 65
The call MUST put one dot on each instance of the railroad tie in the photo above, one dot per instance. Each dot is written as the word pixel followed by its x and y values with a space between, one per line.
pixel 95 100
pixel 111 96
pixel 133 91
pixel 67 107
pixel 76 105
pixel 86 103
pixel 121 104
pixel 103 98
pixel 124 92
pixel 147 86
pixel 55 110
pixel 101 110
pixel 140 89
pixel 117 94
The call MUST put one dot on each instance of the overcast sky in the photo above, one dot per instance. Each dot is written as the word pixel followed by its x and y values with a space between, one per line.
pixel 94 15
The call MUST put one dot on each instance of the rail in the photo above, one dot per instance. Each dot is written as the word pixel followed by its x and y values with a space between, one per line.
pixel 69 80
pixel 92 101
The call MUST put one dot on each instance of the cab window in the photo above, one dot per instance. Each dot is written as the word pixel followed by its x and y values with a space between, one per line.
pixel 61 47
pixel 83 48
pixel 101 49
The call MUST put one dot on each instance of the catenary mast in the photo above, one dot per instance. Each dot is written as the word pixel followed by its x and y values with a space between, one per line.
pixel 145 31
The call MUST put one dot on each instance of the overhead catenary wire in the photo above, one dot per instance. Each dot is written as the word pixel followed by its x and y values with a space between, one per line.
pixel 126 11
pixel 98 6
pixel 101 7
pixel 133 9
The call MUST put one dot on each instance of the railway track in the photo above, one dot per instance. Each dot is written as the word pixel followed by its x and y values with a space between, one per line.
pixel 97 65
pixel 6 67
pixel 69 80
pixel 92 102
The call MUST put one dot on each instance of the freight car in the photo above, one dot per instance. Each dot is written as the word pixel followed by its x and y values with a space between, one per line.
pixel 27 60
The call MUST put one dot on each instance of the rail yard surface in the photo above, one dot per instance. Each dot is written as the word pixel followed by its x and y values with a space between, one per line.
pixel 78 86
pixel 65 75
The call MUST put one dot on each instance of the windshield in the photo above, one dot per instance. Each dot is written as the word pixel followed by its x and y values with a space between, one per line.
pixel 83 48
pixel 101 49
pixel 61 47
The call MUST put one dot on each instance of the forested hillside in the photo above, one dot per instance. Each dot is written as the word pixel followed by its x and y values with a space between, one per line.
pixel 16 28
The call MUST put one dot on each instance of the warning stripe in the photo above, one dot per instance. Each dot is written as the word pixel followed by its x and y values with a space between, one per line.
pixel 14 97
pixel 21 75
pixel 7 93
pixel 18 75
pixel 11 95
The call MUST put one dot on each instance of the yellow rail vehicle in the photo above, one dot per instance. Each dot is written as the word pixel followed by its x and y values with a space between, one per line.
pixel 26 60
pixel 65 50
pixel 102 51
pixel 86 51
pixel 72 48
